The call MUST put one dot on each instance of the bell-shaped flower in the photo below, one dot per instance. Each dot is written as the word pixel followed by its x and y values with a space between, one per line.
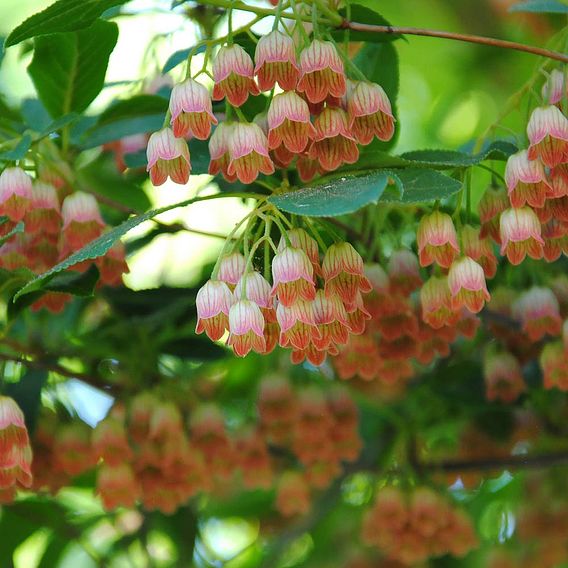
pixel 248 153
pixel 344 273
pixel 370 112
pixel 275 59
pixel 503 377
pixel 435 298
pixel 15 193
pixel 321 72
pixel 437 240
pixel 231 269
pixel 13 431
pixel 492 203
pixel 479 249
pixel 466 281
pixel 289 123
pixel 548 136
pixel 213 302
pixel 301 240
pixel 168 156
pixel 246 328
pixel 82 221
pixel 45 212
pixel 520 232
pixel 333 143
pixel 219 151
pixel 191 110
pixel 292 276
pixel 404 272
pixel 117 486
pixel 233 73
pixel 332 321
pixel 298 325
pixel 554 366
pixel 555 87
pixel 538 312
pixel 526 181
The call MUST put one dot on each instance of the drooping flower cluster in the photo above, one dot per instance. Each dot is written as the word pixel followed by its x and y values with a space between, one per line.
pixel 57 223
pixel 15 450
pixel 152 452
pixel 411 528
pixel 318 119
pixel 294 312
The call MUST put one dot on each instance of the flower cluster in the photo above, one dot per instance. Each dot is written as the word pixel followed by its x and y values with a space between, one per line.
pixel 411 528
pixel 294 312
pixel 15 450
pixel 317 120
pixel 57 223
pixel 153 452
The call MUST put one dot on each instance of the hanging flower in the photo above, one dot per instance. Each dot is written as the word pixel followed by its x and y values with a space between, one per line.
pixel 168 156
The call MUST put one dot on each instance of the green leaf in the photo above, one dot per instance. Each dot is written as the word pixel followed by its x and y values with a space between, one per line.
pixel 423 185
pixel 364 12
pixel 337 196
pixel 60 123
pixel 62 16
pixel 27 393
pixel 102 245
pixel 19 151
pixel 68 69
pixel 540 7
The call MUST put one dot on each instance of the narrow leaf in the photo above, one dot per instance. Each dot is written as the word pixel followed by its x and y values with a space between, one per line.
pixel 62 16
pixel 19 151
pixel 180 56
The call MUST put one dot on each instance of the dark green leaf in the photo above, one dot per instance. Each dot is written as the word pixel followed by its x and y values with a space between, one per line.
pixel 139 105
pixel 19 151
pixel 424 185
pixel 62 16
pixel 136 159
pixel 102 177
pixel 364 12
pixel 35 115
pixel 194 348
pixel 180 56
pixel 540 7
pixel 334 197
pixel 68 69
pixel 60 123
pixel 27 393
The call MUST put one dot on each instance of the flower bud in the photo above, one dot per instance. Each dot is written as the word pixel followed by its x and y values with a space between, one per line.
pixel 191 110
pixel 168 156
pixel 548 136
pixel 248 153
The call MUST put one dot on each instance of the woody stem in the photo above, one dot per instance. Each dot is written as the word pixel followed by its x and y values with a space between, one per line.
pixel 469 38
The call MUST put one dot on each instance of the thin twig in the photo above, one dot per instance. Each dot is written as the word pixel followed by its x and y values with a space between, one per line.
pixel 469 38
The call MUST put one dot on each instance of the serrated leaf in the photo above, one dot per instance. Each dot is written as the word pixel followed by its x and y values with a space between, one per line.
pixel 19 151
pixel 540 7
pixel 337 196
pixel 364 12
pixel 102 245
pixel 424 185
pixel 180 56
pixel 68 69
pixel 62 16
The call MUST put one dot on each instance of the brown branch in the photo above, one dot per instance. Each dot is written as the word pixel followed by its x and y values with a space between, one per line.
pixel 482 40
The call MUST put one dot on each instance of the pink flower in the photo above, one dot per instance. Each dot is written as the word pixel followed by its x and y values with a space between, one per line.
pixel 437 239
pixel 168 156
pixel 301 240
pixel 15 193
pixel 233 72
pixel 332 322
pixel 435 298
pixel 554 366
pixel 292 276
pixel 231 269
pixel 555 87
pixel 526 181
pixel 246 328
pixel 191 109
pixel 254 287
pixel 219 151
pixel 113 265
pixel 297 324
pixel 548 136
pixel 13 431
pixel 404 272
pixel 44 214
pixel 539 313
pixel 308 168
pixel 321 72
pixel 370 113
pixel 289 123
pixel 492 203
pixel 559 181
pixel 466 281
pixel 503 377
pixel 248 153
pixel 333 143
pixel 344 273
pixel 520 235
pixel 82 221
pixel 479 250
pixel 117 486
pixel 213 302
pixel 275 58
